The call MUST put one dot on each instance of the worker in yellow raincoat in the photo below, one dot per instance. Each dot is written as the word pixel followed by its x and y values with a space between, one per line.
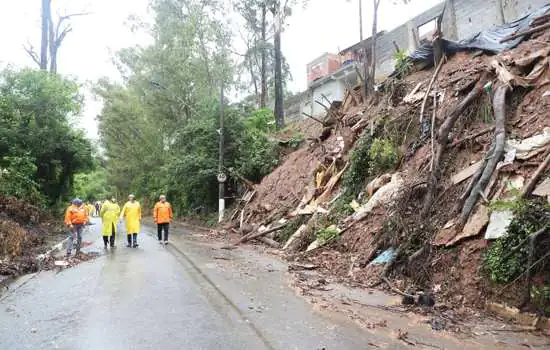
pixel 131 213
pixel 109 216
pixel 90 209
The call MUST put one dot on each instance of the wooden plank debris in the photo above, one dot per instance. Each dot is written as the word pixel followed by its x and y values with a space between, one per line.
pixel 465 173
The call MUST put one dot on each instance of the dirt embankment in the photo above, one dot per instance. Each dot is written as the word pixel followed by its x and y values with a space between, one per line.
pixel 431 210
pixel 25 232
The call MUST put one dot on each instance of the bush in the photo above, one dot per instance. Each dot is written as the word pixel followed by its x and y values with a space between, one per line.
pixel 358 171
pixel 17 179
pixel 258 155
pixel 540 297
pixel 369 158
pixel 528 219
pixel 403 64
pixel 383 156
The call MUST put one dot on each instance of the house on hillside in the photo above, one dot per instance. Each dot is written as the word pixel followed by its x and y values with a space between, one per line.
pixel 462 19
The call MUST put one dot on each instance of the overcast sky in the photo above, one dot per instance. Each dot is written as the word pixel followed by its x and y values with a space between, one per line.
pixel 323 26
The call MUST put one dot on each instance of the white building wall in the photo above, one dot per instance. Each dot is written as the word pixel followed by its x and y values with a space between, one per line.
pixel 332 89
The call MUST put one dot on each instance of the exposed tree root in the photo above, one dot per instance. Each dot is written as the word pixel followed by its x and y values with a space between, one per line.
pixel 499 106
pixel 443 140
pixel 473 181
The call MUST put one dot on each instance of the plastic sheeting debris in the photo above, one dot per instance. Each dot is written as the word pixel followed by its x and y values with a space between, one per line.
pixel 384 195
pixel 383 258
pixel 498 223
pixel 543 189
pixel 524 147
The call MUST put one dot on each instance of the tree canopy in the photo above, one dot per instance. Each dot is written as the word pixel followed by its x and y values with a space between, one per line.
pixel 39 151
pixel 160 128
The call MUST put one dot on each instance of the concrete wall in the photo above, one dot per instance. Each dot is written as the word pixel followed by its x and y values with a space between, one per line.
pixel 332 89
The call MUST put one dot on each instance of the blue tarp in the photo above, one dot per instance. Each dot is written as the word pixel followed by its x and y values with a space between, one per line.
pixel 383 258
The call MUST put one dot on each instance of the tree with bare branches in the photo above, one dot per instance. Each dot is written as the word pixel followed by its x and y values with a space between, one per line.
pixel 52 36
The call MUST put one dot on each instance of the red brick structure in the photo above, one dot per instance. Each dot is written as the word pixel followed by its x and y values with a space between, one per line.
pixel 322 66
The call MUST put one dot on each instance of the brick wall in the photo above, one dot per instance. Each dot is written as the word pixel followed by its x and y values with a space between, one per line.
pixel 322 66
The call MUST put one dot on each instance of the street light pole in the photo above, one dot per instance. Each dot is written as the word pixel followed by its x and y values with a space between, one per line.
pixel 221 176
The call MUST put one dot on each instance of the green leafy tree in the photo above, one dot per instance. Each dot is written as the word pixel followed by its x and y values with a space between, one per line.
pixel 159 129
pixel 36 140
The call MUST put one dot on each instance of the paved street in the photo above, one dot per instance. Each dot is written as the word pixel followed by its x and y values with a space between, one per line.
pixel 156 297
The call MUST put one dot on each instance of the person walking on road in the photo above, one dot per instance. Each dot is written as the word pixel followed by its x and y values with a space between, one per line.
pixel 109 216
pixel 131 212
pixel 76 218
pixel 90 210
pixel 162 215
pixel 97 208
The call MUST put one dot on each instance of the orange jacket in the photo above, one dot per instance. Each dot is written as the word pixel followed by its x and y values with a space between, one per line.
pixel 76 215
pixel 162 214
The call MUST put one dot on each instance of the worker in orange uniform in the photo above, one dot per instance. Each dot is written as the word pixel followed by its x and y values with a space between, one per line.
pixel 76 218
pixel 162 214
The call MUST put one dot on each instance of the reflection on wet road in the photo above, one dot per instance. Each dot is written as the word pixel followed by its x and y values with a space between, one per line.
pixel 126 299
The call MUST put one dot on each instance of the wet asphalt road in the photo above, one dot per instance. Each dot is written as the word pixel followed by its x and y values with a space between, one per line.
pixel 177 297
pixel 125 299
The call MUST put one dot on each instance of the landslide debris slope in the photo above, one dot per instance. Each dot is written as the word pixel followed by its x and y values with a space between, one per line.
pixel 439 183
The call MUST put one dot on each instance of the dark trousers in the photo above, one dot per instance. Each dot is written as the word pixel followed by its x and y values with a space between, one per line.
pixel 110 239
pixel 132 236
pixel 163 227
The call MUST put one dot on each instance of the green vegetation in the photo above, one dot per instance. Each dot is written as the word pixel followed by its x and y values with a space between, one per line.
pixel 160 130
pixel 403 64
pixel 370 157
pixel 500 263
pixel 354 178
pixel 540 297
pixel 327 234
pixel 39 152
pixel 93 185
pixel 383 156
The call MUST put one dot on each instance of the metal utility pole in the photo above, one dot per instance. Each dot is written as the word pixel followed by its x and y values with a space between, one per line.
pixel 221 176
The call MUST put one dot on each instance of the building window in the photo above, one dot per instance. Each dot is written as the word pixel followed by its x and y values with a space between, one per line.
pixel 426 30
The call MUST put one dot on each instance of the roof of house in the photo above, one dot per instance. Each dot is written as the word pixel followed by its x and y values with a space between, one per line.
pixel 320 58
pixel 337 74
pixel 360 44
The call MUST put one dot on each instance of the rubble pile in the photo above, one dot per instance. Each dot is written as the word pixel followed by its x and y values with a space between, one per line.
pixel 25 232
pixel 470 133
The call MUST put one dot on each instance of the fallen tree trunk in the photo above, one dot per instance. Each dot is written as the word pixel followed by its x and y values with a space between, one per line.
pixel 270 242
pixel 499 106
pixel 443 140
pixel 429 89
pixel 476 135
pixel 294 241
pixel 260 234
pixel 305 233
pixel 316 119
